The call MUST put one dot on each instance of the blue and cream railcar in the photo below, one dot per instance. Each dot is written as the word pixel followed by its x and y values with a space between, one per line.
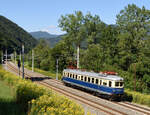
pixel 100 83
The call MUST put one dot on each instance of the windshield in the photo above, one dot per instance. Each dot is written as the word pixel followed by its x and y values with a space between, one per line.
pixel 119 84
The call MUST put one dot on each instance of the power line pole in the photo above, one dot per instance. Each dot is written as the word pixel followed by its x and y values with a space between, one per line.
pixel 78 50
pixel 32 60
pixel 19 63
pixel 23 61
pixel 20 56
pixel 15 56
pixel 57 69
pixel 2 57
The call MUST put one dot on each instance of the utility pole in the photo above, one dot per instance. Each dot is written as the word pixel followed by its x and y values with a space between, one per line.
pixel 23 61
pixel 57 69
pixel 20 56
pixel 2 57
pixel 32 60
pixel 15 56
pixel 78 49
pixel 6 58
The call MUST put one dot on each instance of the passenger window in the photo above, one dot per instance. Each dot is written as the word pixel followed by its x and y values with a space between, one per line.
pixel 81 78
pixel 70 75
pixel 92 80
pixel 110 83
pixel 104 83
pixel 100 82
pixel 76 76
pixel 89 79
pixel 73 76
pixel 85 78
pixel 96 81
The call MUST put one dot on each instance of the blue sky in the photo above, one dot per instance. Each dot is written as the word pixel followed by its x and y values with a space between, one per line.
pixel 43 15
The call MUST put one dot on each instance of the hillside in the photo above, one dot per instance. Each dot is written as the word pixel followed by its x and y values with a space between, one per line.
pixel 41 34
pixel 12 36
pixel 50 38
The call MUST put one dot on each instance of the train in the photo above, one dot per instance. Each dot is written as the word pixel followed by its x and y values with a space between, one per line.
pixel 106 84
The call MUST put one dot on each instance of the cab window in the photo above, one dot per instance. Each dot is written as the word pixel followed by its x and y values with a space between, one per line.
pixel 121 84
pixel 117 84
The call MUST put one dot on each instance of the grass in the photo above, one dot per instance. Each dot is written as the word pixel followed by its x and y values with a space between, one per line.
pixel 8 105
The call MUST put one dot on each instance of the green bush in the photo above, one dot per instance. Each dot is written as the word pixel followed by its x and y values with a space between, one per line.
pixel 139 98
pixel 38 99
pixel 26 91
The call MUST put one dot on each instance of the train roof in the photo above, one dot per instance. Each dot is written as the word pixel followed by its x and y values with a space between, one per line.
pixel 93 74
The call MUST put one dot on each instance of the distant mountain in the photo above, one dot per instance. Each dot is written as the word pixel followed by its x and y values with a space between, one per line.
pixel 50 38
pixel 12 36
pixel 41 34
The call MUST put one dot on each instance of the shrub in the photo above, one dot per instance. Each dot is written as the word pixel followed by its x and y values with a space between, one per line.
pixel 138 97
pixel 55 105
pixel 43 100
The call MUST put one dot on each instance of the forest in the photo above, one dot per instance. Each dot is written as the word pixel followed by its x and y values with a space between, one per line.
pixel 123 47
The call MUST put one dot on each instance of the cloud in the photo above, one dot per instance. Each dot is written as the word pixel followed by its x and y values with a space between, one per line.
pixel 53 30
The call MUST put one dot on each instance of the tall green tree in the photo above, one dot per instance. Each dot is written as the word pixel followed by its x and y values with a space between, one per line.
pixel 63 51
pixel 93 26
pixel 73 25
pixel 134 23
pixel 42 55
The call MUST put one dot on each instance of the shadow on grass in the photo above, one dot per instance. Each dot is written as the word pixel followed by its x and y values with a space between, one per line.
pixel 38 78
pixel 10 107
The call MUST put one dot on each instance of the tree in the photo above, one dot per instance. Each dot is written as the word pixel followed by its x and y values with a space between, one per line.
pixel 108 42
pixel 93 26
pixel 41 54
pixel 73 25
pixel 134 23
pixel 92 58
pixel 63 51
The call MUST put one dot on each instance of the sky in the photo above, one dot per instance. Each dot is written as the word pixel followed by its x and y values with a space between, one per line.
pixel 43 15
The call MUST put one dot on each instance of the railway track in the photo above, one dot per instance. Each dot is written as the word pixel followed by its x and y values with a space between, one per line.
pixel 124 107
pixel 102 108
